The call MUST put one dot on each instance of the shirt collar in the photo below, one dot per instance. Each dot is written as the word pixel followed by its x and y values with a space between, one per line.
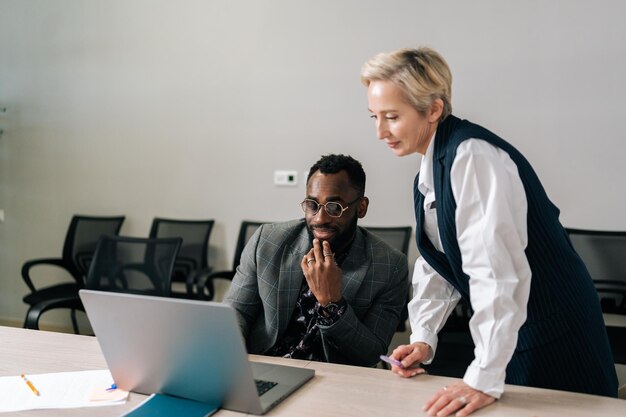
pixel 425 182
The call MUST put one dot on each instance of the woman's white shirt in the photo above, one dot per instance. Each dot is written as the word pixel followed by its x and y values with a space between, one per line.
pixel 492 236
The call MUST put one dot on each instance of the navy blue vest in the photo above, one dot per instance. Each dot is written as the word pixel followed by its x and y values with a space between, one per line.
pixel 563 300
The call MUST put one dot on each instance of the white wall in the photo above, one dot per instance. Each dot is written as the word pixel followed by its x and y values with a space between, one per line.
pixel 185 108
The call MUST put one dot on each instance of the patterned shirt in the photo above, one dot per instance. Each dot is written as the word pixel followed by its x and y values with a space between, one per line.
pixel 302 338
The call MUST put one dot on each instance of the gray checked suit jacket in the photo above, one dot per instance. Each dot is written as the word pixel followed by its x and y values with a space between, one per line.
pixel 267 285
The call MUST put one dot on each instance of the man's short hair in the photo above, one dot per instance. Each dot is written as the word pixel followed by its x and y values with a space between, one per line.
pixel 332 164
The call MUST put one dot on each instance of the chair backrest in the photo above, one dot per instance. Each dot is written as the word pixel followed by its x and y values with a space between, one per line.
pixel 396 237
pixel 82 237
pixel 193 254
pixel 133 265
pixel 246 231
pixel 604 254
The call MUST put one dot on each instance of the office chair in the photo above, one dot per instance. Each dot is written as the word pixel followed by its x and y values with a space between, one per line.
pixel 205 282
pixel 192 258
pixel 604 254
pixel 398 238
pixel 133 265
pixel 80 242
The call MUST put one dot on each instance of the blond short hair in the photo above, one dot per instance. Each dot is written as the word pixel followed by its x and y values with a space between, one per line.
pixel 422 74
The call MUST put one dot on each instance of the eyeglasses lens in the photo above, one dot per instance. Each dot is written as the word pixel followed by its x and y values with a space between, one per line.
pixel 333 209
pixel 310 206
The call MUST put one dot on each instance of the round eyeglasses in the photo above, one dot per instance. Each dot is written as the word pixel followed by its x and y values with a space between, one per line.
pixel 332 208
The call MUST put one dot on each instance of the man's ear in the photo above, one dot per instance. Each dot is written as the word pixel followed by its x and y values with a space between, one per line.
pixel 362 209
pixel 436 110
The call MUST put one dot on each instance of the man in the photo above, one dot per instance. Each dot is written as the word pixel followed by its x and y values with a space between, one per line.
pixel 321 288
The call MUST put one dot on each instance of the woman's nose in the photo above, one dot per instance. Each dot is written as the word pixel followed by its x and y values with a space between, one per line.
pixel 381 129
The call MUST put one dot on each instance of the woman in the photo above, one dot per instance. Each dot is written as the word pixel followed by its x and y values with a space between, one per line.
pixel 487 232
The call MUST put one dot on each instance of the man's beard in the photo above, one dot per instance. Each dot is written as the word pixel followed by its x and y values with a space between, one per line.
pixel 339 241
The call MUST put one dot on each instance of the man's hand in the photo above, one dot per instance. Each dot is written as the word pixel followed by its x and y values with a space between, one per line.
pixel 321 273
pixel 457 398
pixel 411 356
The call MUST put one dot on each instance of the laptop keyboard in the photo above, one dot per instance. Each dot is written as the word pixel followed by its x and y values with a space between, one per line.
pixel 263 386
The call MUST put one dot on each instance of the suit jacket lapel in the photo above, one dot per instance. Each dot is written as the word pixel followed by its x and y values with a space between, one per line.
pixel 354 270
pixel 354 267
pixel 291 278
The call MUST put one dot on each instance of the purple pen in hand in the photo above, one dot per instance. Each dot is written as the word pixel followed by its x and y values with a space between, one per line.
pixel 391 361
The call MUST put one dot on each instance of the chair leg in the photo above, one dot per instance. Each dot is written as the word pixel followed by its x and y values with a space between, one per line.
pixel 204 288
pixel 190 284
pixel 32 318
pixel 74 321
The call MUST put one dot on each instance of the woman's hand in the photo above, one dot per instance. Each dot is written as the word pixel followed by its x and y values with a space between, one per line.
pixel 411 357
pixel 458 397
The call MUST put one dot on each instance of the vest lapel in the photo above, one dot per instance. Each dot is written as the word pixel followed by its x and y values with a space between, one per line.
pixel 436 259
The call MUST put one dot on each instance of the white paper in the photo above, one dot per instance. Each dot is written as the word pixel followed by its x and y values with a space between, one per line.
pixel 57 390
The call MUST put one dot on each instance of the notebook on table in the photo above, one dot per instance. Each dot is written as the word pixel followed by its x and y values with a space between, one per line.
pixel 185 348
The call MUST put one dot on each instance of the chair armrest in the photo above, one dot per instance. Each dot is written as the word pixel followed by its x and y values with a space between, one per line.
pixel 205 282
pixel 43 261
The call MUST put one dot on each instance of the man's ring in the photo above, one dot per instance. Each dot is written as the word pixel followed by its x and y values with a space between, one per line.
pixel 463 400
pixel 328 254
pixel 309 260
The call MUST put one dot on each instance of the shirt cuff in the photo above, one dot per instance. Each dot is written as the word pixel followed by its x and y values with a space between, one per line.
pixel 491 383
pixel 329 315
pixel 424 336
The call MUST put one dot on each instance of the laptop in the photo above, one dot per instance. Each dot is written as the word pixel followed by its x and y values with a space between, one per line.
pixel 185 348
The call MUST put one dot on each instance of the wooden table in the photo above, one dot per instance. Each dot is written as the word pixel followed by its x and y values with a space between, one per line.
pixel 336 390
